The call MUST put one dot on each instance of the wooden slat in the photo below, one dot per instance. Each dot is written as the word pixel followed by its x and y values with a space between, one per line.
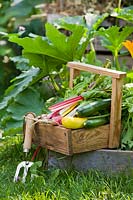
pixel 67 141
pixel 84 140
pixel 96 69
pixel 73 74
pixel 54 138
pixel 115 119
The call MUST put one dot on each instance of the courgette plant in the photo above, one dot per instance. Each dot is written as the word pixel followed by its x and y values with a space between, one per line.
pixel 47 57
pixel 12 15
pixel 112 39
pixel 44 60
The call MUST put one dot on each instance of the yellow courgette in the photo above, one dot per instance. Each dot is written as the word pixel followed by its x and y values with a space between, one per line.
pixel 73 122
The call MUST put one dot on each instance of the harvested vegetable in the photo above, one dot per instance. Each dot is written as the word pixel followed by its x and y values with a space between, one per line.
pixel 93 107
pixel 73 122
pixel 65 103
pixel 68 109
pixel 90 123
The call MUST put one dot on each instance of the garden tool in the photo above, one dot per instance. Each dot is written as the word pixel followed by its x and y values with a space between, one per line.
pixel 28 132
pixel 26 165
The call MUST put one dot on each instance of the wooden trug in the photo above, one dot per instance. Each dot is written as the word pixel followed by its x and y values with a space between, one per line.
pixel 67 141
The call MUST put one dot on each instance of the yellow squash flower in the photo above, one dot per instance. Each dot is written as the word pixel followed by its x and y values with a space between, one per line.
pixel 129 45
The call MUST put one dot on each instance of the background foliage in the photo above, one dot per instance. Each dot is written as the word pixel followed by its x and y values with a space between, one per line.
pixel 36 53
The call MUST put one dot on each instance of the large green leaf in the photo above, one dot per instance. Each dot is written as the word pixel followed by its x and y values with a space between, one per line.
pixel 56 45
pixel 71 46
pixel 81 31
pixel 69 23
pixel 22 9
pixel 124 13
pixel 58 39
pixel 93 21
pixel 46 63
pixel 21 63
pixel 74 40
pixel 19 84
pixel 81 49
pixel 113 37
pixel 27 101
pixel 90 58
pixel 11 126
pixel 38 46
pixel 36 60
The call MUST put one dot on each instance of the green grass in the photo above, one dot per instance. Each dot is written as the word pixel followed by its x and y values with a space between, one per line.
pixel 56 184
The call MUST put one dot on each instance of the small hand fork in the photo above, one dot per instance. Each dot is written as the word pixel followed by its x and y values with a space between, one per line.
pixel 26 165
pixel 28 132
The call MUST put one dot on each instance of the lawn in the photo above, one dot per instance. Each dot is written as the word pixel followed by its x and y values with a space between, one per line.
pixel 53 184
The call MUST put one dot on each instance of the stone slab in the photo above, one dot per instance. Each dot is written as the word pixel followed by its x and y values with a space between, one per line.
pixel 102 160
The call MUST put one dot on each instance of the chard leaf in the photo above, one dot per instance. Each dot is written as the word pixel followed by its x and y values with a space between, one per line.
pixel 129 102
pixel 127 139
pixel 19 84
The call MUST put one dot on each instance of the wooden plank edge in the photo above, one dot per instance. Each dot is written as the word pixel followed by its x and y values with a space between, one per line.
pixel 96 69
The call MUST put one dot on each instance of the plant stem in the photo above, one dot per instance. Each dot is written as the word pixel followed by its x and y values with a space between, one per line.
pixel 92 46
pixel 55 85
pixel 116 61
pixel 119 5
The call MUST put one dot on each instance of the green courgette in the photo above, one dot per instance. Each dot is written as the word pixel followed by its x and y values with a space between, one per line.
pixel 93 107
pixel 91 123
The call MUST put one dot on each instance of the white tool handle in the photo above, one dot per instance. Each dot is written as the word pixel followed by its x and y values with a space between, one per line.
pixel 28 132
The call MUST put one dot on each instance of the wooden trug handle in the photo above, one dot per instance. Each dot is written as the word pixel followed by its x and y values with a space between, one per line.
pixel 28 132
pixel 116 98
